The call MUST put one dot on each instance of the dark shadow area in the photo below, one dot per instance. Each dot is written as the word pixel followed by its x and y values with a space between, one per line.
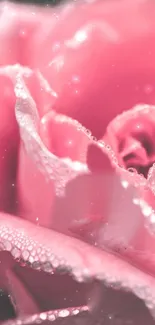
pixel 41 2
pixel 110 305
pixel 6 308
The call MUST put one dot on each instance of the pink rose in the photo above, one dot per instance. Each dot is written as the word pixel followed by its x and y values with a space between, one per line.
pixel 73 203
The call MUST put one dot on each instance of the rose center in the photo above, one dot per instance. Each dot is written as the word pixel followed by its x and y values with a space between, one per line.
pixel 136 144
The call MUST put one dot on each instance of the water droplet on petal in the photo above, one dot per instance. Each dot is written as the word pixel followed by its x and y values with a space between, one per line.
pixel 132 170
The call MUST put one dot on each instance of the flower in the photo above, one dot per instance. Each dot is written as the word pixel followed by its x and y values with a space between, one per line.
pixel 79 212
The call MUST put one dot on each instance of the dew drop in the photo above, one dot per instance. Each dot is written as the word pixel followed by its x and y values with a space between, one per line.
pixel 30 248
pixel 75 312
pixel 108 147
pixel 31 259
pixel 88 132
pixel 101 143
pixel 47 267
pixel 132 170
pixel 51 317
pixel 43 258
pixel 110 317
pixel 124 183
pixel 36 265
pixel 15 252
pixel 55 263
pixel 64 313
pixel 33 253
pixel 7 245
pixel 25 255
pixel 43 316
pixel 146 210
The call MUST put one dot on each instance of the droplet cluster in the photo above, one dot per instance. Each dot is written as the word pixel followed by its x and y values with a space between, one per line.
pixel 31 253
pixel 50 316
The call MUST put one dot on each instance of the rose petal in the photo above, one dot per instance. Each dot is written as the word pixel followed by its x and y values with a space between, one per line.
pixel 96 80
pixel 75 177
pixel 64 137
pixel 133 132
pixel 89 198
pixel 59 69
pixel 84 261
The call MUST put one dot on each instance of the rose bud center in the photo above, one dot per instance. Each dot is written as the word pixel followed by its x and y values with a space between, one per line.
pixel 136 144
